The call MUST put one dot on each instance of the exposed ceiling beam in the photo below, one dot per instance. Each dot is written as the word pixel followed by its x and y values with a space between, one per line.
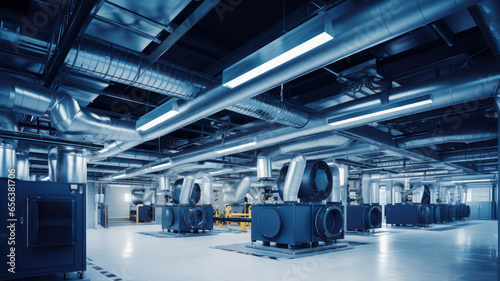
pixel 83 14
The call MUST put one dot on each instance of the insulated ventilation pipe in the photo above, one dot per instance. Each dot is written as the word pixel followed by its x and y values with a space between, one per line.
pixel 67 165
pixel 327 140
pixel 64 112
pixel 236 195
pixel 206 187
pixel 7 146
pixel 309 181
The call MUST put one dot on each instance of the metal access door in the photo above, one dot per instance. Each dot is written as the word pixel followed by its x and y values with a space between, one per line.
pixel 481 210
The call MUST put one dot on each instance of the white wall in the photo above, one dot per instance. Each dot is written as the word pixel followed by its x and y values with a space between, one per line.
pixel 115 198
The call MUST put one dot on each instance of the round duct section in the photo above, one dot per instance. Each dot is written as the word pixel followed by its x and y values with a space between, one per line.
pixel 437 214
pixel 176 192
pixel 67 165
pixel 316 184
pixel 141 196
pixel 168 217
pixel 195 218
pixel 329 222
pixel 373 217
pixel 7 159
pixel 424 214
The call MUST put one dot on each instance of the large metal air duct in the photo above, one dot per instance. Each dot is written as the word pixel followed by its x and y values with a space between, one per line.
pixel 237 195
pixel 7 147
pixel 105 61
pixel 485 13
pixel 366 24
pixel 336 195
pixel 397 189
pixel 64 112
pixel 464 136
pixel 470 155
pixel 67 165
pixel 22 163
pixel 206 187
pixel 460 87
pixel 265 158
pixel 187 189
pixel 294 178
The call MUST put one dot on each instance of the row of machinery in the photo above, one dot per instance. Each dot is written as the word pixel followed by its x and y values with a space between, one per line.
pixel 419 211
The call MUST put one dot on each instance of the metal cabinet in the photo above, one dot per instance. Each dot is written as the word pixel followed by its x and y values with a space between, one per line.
pixel 482 210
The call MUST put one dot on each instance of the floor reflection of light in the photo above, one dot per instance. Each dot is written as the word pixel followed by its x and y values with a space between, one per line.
pixel 127 250
pixel 383 256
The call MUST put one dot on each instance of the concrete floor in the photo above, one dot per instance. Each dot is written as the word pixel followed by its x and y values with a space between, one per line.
pixel 468 252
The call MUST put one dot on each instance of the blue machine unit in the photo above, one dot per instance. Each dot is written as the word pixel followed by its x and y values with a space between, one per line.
pixel 142 213
pixel 44 231
pixel 437 215
pixel 187 218
pixel 461 211
pixel 406 214
pixel 363 217
pixel 295 225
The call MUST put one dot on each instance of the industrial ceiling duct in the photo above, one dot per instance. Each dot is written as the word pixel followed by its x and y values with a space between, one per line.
pixel 265 158
pixel 448 136
pixel 386 20
pixel 460 87
pixel 64 112
pixel 470 155
pixel 485 13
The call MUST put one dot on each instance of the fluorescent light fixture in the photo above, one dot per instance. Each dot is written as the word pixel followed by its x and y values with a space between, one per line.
pixel 224 150
pixel 300 40
pixel 466 181
pixel 281 59
pixel 160 166
pixel 118 176
pixel 158 115
pixel 394 108
pixel 46 178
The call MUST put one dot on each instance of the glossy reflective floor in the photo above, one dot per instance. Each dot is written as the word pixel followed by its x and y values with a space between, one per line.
pixel 465 252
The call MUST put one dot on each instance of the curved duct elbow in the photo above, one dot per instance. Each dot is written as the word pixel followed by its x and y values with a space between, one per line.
pixel 207 188
pixel 464 136
pixel 106 61
pixel 68 118
pixel 268 108
pixel 237 195
pixel 328 140
pixel 187 189
pixel 64 112
pixel 294 178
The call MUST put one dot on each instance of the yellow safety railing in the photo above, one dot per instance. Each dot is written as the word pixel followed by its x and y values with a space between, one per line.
pixel 245 214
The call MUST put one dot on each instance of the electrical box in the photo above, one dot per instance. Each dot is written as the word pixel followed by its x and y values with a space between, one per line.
pixel 42 228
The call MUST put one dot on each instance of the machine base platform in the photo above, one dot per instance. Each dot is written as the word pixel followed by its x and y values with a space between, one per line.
pixel 272 252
